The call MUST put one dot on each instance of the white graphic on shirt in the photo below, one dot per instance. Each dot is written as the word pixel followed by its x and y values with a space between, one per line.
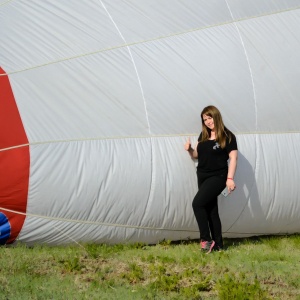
pixel 216 146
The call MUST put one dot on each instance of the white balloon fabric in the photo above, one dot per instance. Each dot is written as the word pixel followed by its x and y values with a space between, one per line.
pixel 97 99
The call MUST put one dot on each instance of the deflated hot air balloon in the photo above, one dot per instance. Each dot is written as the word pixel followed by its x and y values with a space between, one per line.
pixel 97 99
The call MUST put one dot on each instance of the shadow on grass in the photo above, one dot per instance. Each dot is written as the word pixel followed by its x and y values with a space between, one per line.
pixel 234 242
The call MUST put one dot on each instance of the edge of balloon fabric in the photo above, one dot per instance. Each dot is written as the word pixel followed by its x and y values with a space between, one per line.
pixel 14 165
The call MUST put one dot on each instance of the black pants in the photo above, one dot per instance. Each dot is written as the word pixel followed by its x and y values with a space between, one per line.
pixel 205 206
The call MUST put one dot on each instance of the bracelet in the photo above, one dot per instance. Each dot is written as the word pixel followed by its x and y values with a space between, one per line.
pixel 229 178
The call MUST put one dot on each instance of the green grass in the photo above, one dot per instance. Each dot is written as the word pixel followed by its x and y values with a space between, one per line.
pixel 257 268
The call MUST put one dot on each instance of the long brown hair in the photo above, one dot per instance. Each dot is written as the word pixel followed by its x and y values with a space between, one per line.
pixel 220 130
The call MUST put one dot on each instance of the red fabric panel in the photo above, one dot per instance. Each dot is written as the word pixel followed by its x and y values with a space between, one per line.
pixel 14 163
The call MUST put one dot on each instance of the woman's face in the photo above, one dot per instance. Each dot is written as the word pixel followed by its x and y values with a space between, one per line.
pixel 208 122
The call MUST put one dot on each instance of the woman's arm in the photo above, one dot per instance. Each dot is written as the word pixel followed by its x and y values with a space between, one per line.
pixel 233 157
pixel 192 152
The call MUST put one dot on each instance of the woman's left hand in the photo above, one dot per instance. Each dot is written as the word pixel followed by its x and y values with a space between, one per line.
pixel 230 185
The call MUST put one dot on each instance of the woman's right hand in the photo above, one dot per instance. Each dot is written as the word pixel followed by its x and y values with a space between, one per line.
pixel 187 145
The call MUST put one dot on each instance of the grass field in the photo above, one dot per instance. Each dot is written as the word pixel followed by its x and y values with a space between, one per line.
pixel 256 268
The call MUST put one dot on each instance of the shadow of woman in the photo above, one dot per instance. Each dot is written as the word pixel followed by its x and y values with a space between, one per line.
pixel 241 212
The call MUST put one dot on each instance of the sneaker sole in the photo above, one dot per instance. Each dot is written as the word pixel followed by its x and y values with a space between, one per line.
pixel 211 247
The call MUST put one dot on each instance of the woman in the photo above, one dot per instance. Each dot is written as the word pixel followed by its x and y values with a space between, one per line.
pixel 216 144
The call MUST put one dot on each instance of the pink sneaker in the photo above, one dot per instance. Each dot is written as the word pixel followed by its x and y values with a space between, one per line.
pixel 207 246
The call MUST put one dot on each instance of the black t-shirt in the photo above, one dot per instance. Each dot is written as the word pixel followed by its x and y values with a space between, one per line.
pixel 212 159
